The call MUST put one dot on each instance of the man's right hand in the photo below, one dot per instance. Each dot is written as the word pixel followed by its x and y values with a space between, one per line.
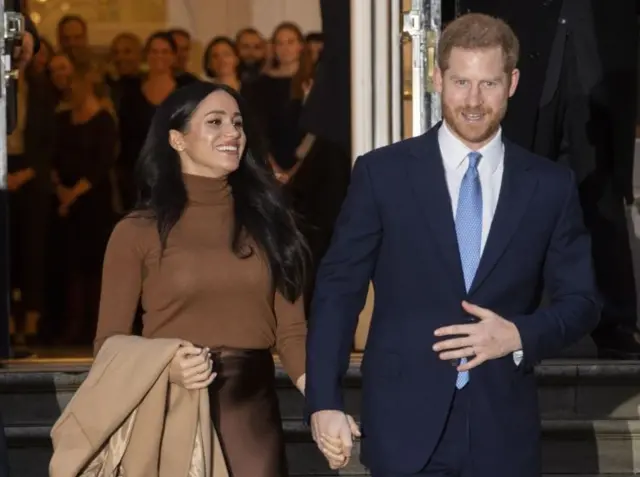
pixel 333 432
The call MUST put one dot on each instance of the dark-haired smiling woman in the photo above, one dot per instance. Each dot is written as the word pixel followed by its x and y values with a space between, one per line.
pixel 214 254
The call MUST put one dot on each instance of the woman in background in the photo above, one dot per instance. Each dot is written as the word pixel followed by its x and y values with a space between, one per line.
pixel 139 98
pixel 29 150
pixel 84 154
pixel 271 96
pixel 221 61
pixel 60 69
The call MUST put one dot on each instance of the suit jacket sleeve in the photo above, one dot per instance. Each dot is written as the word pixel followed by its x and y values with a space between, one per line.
pixel 341 289
pixel 574 307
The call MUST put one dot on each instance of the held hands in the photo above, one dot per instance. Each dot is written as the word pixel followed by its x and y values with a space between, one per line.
pixel 490 338
pixel 192 367
pixel 333 432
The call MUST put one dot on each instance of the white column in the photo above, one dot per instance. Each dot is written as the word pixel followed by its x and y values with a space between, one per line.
pixel 205 19
pixel 362 116
pixel 382 74
pixel 208 18
pixel 397 96
pixel 361 78
pixel 306 13
pixel 376 94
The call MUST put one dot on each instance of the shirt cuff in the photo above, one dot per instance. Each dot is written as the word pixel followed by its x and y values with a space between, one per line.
pixel 517 357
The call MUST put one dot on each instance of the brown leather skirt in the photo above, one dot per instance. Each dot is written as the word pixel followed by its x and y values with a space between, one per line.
pixel 245 413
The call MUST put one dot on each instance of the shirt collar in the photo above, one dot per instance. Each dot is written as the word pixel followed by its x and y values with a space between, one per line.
pixel 455 152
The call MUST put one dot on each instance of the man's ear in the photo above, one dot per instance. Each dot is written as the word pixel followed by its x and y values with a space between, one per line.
pixel 514 80
pixel 437 80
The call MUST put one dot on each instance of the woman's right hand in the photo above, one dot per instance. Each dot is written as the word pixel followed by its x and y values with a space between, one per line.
pixel 192 367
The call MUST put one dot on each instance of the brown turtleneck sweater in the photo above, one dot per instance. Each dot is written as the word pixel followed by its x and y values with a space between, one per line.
pixel 200 291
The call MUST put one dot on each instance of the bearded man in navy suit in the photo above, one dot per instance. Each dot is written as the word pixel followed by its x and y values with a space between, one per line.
pixel 460 231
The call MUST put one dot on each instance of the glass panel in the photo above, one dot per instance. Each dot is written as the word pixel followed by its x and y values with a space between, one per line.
pixel 407 103
pixel 421 29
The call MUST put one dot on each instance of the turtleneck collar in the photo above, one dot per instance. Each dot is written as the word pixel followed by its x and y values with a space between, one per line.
pixel 206 190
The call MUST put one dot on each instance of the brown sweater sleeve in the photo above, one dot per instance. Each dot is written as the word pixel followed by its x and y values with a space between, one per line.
pixel 121 281
pixel 291 335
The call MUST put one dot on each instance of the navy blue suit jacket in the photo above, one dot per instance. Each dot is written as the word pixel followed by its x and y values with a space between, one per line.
pixel 396 227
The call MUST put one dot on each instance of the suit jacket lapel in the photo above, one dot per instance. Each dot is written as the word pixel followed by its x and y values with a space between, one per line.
pixel 427 178
pixel 516 191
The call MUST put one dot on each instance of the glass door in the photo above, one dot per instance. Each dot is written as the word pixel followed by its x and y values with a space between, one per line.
pixel 421 27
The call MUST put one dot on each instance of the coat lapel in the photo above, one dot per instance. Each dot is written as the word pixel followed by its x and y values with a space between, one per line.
pixel 518 186
pixel 427 178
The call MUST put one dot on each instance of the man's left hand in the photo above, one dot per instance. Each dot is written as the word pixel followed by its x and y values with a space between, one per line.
pixel 490 338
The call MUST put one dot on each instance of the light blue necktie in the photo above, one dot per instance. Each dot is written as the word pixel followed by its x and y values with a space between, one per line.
pixel 469 232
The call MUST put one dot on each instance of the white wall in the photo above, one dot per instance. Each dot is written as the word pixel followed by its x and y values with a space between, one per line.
pixel 266 14
pixel 203 18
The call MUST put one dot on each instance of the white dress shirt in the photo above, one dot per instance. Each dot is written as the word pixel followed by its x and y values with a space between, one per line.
pixel 455 156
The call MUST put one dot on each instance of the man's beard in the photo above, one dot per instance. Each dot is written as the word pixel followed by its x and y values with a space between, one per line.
pixel 478 133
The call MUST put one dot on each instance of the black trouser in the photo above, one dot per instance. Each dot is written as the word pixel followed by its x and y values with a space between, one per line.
pixel 573 128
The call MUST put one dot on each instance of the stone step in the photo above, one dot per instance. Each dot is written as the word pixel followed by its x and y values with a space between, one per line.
pixel 590 416
pixel 568 448
pixel 567 390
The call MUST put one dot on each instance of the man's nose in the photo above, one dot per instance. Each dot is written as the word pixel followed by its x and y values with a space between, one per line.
pixel 474 98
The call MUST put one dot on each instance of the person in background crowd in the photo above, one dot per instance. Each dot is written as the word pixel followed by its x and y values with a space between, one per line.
pixel 251 47
pixel 29 149
pixel 72 33
pixel 220 62
pixel 271 96
pixel 126 56
pixel 60 69
pixel 139 100
pixel 182 39
pixel 315 43
pixel 30 46
pixel 41 60
pixel 84 155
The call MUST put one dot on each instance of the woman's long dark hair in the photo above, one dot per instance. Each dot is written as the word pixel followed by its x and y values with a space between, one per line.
pixel 260 209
